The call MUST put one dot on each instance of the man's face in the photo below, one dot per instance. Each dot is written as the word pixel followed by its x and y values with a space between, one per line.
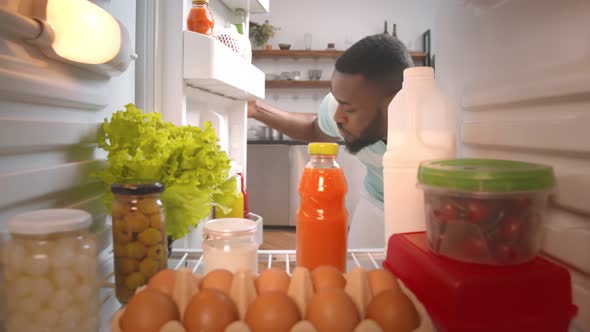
pixel 361 115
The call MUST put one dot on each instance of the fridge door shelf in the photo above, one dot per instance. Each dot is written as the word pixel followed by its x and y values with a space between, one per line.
pixel 211 66
pixel 367 259
pixel 254 6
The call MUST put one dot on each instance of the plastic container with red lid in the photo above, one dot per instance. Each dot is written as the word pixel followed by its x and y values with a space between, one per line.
pixel 535 296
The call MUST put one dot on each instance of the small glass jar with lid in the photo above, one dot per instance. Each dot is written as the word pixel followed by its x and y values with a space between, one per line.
pixel 230 243
pixel 50 272
pixel 200 19
pixel 139 235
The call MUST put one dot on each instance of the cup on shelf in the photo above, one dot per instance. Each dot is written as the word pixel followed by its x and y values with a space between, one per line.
pixel 285 75
pixel 314 74
pixel 307 41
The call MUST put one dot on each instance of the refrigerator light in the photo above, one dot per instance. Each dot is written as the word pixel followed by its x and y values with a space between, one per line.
pixel 76 32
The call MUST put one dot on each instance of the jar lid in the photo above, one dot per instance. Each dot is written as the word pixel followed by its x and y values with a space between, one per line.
pixel 228 227
pixel 137 188
pixel 329 149
pixel 486 175
pixel 49 221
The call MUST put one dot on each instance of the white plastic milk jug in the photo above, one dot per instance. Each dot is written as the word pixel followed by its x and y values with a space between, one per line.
pixel 421 126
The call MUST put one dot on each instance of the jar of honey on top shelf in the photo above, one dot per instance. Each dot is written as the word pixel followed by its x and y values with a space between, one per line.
pixel 200 18
pixel 139 235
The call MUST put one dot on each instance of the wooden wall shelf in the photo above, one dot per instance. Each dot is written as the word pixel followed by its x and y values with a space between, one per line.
pixel 277 84
pixel 313 54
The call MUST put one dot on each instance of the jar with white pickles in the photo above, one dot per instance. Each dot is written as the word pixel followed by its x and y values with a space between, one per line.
pixel 50 272
pixel 139 236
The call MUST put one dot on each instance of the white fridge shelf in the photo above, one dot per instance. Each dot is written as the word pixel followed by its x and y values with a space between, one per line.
pixel 254 6
pixel 211 66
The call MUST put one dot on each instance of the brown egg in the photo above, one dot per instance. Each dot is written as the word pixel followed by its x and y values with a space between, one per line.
pixel 273 279
pixel 393 311
pixel 327 276
pixel 331 309
pixel 163 281
pixel 272 312
pixel 219 279
pixel 148 311
pixel 209 310
pixel 380 280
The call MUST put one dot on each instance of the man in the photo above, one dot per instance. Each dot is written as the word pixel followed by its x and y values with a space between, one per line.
pixel 366 78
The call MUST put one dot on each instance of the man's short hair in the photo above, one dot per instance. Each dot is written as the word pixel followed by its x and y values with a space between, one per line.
pixel 379 58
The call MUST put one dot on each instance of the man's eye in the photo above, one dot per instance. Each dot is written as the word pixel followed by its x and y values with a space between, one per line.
pixel 348 111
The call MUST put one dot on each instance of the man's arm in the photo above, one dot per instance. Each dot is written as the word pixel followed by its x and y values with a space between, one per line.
pixel 299 126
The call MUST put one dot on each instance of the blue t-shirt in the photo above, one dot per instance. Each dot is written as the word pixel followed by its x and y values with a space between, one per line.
pixel 371 156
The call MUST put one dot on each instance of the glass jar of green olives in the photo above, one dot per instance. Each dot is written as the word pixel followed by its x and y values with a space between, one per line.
pixel 139 235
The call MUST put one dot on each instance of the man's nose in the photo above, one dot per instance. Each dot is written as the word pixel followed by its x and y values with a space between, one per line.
pixel 340 116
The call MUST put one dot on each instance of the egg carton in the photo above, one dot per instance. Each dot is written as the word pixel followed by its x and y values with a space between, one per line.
pixel 243 291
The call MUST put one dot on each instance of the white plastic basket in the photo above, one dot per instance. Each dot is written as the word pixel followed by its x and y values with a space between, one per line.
pixel 236 42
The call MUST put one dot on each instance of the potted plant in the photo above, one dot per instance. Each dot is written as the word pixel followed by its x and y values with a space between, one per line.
pixel 261 33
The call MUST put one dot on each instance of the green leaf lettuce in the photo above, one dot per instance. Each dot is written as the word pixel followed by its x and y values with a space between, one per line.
pixel 187 160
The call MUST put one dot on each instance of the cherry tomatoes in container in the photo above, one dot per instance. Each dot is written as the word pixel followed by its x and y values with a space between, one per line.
pixel 485 211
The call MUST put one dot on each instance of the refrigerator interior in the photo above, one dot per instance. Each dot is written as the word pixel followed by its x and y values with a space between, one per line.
pixel 519 72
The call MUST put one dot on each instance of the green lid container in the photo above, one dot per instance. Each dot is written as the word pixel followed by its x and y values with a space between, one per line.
pixel 486 175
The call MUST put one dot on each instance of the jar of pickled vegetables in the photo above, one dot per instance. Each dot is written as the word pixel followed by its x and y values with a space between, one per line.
pixel 200 18
pixel 50 272
pixel 139 235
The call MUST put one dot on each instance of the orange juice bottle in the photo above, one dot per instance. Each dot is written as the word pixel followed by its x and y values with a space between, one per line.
pixel 322 220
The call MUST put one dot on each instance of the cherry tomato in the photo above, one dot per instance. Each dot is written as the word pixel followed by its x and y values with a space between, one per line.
pixel 476 248
pixel 504 253
pixel 512 228
pixel 519 205
pixel 478 210
pixel 448 212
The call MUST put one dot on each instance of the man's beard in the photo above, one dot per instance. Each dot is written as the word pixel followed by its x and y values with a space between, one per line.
pixel 368 136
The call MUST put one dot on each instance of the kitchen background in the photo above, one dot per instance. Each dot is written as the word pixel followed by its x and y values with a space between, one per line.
pixel 327 21
pixel 337 22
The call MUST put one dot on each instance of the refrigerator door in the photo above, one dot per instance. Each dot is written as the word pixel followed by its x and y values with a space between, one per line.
pixel 520 73
pixel 191 78
pixel 50 114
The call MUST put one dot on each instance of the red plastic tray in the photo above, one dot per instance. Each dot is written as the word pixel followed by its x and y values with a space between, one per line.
pixel 459 297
